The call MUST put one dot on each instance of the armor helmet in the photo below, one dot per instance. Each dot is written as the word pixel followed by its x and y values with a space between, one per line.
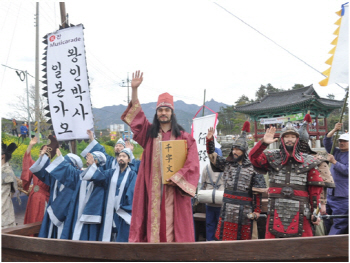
pixel 304 136
pixel 289 129
pixel 305 148
pixel 241 141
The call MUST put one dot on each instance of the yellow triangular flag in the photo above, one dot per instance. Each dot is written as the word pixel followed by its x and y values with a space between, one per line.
pixel 330 61
pixel 338 13
pixel 332 50
pixel 327 72
pixel 335 41
pixel 338 22
pixel 336 32
pixel 324 82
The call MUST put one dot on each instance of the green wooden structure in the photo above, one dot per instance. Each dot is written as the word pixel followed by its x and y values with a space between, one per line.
pixel 303 100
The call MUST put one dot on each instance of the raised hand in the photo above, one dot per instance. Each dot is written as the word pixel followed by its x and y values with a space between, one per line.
pixel 129 145
pixel 89 159
pixel 137 79
pixel 269 135
pixel 337 126
pixel 33 141
pixel 210 134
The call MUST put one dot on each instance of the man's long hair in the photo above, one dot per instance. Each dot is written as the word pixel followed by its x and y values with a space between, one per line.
pixel 154 129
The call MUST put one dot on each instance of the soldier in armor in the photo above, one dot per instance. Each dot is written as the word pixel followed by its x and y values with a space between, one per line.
pixel 243 188
pixel 323 167
pixel 294 184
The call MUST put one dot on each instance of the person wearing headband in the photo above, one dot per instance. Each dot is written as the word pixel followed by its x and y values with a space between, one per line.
pixel 111 162
pixel 161 212
pixel 59 200
pixel 119 146
pixel 118 185
pixel 84 213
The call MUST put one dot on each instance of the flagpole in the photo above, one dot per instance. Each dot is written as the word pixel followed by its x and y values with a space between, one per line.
pixel 64 23
pixel 203 104
pixel 340 120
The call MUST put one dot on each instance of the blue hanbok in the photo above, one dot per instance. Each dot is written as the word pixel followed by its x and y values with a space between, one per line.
pixel 57 207
pixel 111 162
pixel 86 206
pixel 119 193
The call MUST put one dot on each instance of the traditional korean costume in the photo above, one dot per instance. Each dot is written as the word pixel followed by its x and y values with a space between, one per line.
pixel 111 162
pixel 85 209
pixel 60 197
pixel 118 198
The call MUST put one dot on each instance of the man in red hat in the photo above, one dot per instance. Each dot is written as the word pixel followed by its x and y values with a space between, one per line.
pixel 161 212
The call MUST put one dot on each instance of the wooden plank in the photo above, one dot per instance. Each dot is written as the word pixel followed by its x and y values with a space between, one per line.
pixel 290 249
pixel 23 230
pixel 13 255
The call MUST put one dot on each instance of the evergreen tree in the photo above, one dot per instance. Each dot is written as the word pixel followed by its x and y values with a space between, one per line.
pixel 298 86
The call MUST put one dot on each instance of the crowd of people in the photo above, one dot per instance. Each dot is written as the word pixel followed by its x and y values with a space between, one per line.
pixel 24 129
pixel 122 199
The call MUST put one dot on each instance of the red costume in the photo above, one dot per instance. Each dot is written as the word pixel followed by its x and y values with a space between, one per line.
pixel 242 194
pixel 157 217
pixel 39 195
pixel 295 183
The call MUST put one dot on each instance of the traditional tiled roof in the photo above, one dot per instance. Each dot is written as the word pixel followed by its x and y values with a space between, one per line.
pixel 277 101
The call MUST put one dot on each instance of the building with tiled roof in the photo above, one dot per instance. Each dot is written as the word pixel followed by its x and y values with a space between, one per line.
pixel 284 103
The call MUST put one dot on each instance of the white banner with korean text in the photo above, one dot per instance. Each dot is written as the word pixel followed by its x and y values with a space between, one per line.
pixel 67 84
pixel 200 128
pixel 283 119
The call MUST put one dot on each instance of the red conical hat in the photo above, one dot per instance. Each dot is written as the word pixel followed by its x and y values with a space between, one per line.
pixel 165 100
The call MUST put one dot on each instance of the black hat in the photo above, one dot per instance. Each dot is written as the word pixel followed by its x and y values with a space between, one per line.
pixel 8 150
pixel 241 141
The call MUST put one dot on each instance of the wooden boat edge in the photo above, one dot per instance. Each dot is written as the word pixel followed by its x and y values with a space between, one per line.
pixel 325 248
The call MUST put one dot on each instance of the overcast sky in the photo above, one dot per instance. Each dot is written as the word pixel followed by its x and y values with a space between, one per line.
pixel 182 46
